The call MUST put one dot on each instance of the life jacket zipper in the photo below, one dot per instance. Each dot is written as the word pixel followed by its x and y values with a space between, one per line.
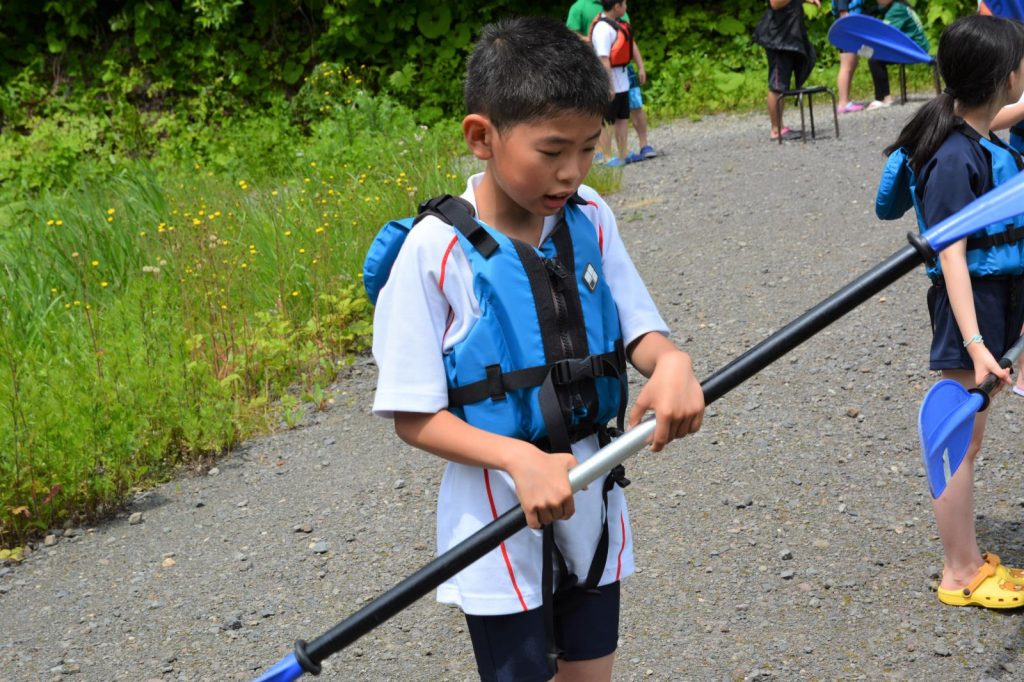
pixel 559 275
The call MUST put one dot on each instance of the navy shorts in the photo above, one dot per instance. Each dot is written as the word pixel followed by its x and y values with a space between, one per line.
pixel 999 306
pixel 513 648
pixel 618 108
pixel 781 67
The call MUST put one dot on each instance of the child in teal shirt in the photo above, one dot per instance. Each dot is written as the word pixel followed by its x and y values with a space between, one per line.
pixel 898 14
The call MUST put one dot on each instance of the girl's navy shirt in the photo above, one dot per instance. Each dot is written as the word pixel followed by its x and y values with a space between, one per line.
pixel 959 173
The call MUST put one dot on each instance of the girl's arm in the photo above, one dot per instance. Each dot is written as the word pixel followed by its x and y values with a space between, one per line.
pixel 541 479
pixel 961 300
pixel 1008 116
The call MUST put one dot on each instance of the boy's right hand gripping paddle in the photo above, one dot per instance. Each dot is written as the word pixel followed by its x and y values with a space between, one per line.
pixel 946 422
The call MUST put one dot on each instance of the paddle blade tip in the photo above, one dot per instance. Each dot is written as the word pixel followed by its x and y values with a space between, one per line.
pixel 285 670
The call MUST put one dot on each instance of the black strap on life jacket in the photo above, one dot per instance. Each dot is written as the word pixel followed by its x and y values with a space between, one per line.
pixel 459 213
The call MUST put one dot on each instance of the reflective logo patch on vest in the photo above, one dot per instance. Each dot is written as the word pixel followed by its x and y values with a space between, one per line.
pixel 590 277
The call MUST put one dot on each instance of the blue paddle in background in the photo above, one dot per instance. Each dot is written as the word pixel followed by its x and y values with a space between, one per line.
pixel 874 39
pixel 1002 203
pixel 946 421
pixel 1011 9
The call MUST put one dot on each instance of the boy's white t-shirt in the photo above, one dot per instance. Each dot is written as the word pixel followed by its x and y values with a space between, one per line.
pixel 602 38
pixel 426 307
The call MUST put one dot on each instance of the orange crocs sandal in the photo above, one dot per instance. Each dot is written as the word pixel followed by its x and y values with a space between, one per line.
pixel 988 589
pixel 1014 574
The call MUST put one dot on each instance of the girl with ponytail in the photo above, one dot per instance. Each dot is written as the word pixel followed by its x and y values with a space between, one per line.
pixel 976 301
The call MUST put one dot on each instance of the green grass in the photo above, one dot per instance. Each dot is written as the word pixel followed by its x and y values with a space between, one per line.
pixel 153 318
pixel 146 321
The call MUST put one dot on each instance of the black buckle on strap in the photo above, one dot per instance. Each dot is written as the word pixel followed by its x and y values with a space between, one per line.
pixel 574 369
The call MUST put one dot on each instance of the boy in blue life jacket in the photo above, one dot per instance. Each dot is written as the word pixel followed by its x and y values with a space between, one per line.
pixel 501 334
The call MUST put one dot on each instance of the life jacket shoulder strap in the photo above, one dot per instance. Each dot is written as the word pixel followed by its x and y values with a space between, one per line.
pixel 459 213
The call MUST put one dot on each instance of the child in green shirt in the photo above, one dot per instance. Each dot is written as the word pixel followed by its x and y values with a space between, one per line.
pixel 898 14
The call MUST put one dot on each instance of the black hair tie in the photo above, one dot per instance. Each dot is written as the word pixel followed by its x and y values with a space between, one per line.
pixel 950 92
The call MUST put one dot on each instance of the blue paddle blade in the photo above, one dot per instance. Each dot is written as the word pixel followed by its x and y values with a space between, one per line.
pixel 945 424
pixel 1011 9
pixel 286 670
pixel 875 39
pixel 1004 203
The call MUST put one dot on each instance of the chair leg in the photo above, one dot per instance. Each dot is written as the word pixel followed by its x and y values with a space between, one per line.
pixel 803 126
pixel 835 112
pixel 810 111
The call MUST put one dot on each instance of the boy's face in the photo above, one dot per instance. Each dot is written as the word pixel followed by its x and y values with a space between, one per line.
pixel 619 10
pixel 536 166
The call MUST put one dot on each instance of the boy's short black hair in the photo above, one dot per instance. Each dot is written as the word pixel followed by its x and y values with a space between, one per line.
pixel 607 5
pixel 529 68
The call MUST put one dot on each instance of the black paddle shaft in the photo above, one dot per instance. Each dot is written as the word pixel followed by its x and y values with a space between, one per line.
pixel 309 655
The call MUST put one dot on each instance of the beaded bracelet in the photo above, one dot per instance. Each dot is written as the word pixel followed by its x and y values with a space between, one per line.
pixel 974 339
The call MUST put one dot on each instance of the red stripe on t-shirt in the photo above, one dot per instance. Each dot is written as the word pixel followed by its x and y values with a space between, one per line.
pixel 504 552
pixel 622 524
pixel 444 262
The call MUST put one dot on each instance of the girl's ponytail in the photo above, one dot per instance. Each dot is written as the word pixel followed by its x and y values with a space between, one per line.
pixel 976 56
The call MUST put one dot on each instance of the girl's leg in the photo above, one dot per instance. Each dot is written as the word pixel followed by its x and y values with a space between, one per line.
pixel 954 510
pixel 774 115
pixel 880 79
pixel 847 66
pixel 594 670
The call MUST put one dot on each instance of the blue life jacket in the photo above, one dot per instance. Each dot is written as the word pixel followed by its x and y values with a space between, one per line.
pixel 851 6
pixel 545 362
pixel 994 250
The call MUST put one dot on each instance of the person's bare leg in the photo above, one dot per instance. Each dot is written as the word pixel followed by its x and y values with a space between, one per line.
pixel 594 670
pixel 847 67
pixel 622 136
pixel 604 143
pixel 774 114
pixel 954 510
pixel 639 119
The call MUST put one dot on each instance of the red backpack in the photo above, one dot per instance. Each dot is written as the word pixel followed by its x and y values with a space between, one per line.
pixel 622 48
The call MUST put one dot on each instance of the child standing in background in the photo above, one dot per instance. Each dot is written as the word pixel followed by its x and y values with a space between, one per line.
pixel 783 35
pixel 847 60
pixel 898 14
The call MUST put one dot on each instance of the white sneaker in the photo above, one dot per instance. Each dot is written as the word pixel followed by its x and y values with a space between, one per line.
pixel 878 104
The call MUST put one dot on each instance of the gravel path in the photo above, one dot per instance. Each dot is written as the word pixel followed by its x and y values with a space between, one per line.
pixel 791 539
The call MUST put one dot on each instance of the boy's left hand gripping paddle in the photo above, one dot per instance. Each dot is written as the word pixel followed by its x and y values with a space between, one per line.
pixel 1002 203
pixel 946 422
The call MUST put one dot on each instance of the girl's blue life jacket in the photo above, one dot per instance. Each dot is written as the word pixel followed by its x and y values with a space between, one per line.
pixel 545 362
pixel 994 250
